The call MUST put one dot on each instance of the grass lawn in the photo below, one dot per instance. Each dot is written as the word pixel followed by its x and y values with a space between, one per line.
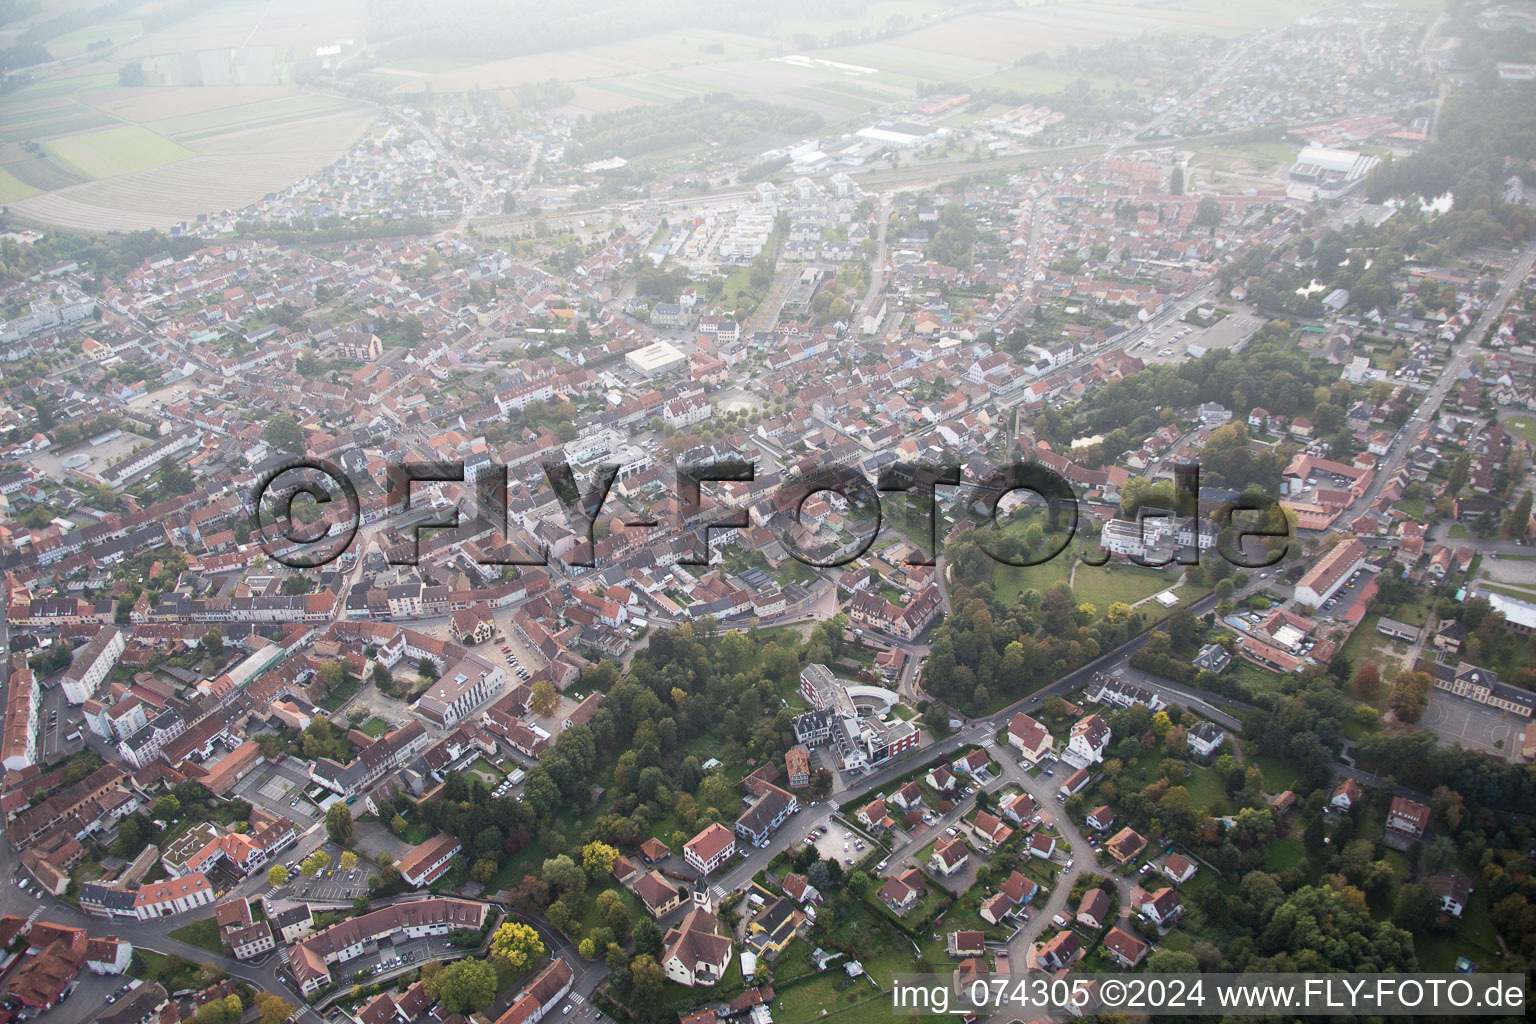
pixel 1206 792
pixel 1279 775
pixel 833 995
pixel 1284 854
pixel 1259 679
pixel 418 832
pixel 1365 645
pixel 1113 581
pixel 1009 581
pixel 487 771
pixel 343 693
pixel 1473 937
pixel 1525 426
pixel 1459 532
pixel 203 933
pixel 375 727
pixel 174 972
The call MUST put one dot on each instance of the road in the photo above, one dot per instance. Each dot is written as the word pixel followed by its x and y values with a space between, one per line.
pixel 1460 359
pixel 877 273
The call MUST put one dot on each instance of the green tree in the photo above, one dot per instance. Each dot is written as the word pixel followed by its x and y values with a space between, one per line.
pixel 338 823
pixel 1517 524
pixel 544 699
pixel 1208 212
pixel 646 978
pixel 284 433
pixel 467 986
pixel 277 875
pixel 274 1009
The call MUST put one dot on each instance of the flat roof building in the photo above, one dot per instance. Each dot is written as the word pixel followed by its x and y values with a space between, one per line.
pixel 656 359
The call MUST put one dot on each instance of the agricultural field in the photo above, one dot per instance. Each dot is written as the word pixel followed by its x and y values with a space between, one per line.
pixel 114 151
pixel 118 158
pixel 585 64
pixel 13 188
pixel 845 82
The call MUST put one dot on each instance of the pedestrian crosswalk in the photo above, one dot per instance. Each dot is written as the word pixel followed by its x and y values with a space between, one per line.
pixel 716 894
pixel 282 954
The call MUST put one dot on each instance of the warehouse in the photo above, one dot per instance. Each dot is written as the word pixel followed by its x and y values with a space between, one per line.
pixel 655 360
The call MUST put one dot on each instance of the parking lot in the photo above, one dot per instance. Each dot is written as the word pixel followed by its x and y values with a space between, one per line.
pixel 403 955
pixel 1474 726
pixel 332 885
pixel 278 788
pixel 833 845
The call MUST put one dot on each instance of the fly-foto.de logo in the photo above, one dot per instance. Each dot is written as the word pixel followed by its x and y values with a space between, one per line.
pixel 311 534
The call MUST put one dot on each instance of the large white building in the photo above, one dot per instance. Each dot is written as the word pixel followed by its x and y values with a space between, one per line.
pixel 656 359
pixel 1324 579
pixel 460 690
pixel 91 665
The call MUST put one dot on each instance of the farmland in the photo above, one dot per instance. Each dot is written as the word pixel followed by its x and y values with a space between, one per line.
pixel 978 48
pixel 115 151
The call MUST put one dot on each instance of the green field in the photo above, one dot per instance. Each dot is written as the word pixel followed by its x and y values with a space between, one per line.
pixel 43 174
pixel 1525 426
pixel 114 151
pixel 1279 774
pixel 204 934
pixel 375 727
pixel 1284 854
pixel 79 41
pixel 12 187
pixel 1117 581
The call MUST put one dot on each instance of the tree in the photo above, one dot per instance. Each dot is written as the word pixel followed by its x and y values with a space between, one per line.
pixel 130 838
pixel 1410 695
pixel 166 808
pixel 398 824
pixel 1172 961
pixel 483 870
pixel 348 860
pixel 544 699
pixel 132 74
pixel 213 643
pixel 562 873
pixel 1518 524
pixel 597 859
pixel 1208 212
pixel 1460 472
pixel 338 823
pixel 467 986
pixel 646 978
pixel 277 875
pixel 273 1009
pixel 516 945
pixel 1417 908
pixel 1176 181
pixel 284 433
pixel 1367 682
pixel 647 937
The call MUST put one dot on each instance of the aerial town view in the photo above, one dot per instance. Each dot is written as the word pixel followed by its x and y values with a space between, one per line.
pixel 730 513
